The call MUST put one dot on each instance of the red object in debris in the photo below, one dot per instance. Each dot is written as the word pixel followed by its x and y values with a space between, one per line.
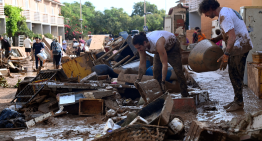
pixel 186 104
pixel 180 22
pixel 106 49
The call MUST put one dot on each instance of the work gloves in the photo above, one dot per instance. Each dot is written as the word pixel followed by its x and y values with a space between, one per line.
pixel 224 61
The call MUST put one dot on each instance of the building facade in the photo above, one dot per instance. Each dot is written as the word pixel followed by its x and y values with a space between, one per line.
pixel 42 16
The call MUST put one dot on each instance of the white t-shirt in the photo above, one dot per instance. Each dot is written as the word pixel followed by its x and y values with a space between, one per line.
pixel 155 35
pixel 231 19
pixel 27 43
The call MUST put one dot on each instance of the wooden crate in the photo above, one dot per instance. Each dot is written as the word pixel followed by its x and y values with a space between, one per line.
pixel 90 107
pixel 254 72
pixel 257 58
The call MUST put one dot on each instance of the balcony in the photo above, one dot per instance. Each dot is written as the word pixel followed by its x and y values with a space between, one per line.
pixel 193 5
pixel 45 18
pixel 26 14
pixel 53 19
pixel 37 16
pixel 2 13
pixel 60 20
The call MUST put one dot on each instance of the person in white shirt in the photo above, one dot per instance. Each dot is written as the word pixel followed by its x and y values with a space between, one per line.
pixel 27 45
pixel 64 45
pixel 238 45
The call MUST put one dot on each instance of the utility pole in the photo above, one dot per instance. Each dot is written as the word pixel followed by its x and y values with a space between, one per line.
pixel 145 12
pixel 81 20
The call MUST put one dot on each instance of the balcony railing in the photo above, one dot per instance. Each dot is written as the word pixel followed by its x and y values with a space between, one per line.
pixel 60 20
pixel 37 16
pixel 53 20
pixel 45 18
pixel 26 13
pixel 193 5
pixel 2 8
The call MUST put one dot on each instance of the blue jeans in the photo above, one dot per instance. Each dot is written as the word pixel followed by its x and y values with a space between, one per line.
pixel 36 62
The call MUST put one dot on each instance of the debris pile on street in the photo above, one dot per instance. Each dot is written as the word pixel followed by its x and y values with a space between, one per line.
pixel 103 83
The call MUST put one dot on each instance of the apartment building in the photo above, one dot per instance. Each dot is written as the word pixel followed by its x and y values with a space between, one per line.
pixel 42 16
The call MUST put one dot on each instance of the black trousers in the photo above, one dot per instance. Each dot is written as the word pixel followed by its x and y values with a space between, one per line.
pixel 174 59
pixel 236 69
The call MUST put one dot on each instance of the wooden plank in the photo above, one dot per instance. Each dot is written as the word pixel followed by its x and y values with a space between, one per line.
pixel 10 129
pixel 97 44
pixel 21 50
pixel 254 79
pixel 260 76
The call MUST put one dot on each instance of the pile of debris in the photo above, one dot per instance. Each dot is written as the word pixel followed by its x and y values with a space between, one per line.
pixel 102 83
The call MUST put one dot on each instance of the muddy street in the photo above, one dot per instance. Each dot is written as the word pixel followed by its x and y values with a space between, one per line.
pixel 221 93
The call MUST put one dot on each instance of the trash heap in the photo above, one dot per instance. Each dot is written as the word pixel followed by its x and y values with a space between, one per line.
pixel 102 83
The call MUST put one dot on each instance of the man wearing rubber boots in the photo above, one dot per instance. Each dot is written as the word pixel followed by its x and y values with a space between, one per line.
pixel 238 44
pixel 166 48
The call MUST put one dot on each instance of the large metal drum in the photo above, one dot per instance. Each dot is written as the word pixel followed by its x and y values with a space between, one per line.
pixel 204 56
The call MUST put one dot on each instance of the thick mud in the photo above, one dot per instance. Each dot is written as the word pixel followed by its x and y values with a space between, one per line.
pixel 221 93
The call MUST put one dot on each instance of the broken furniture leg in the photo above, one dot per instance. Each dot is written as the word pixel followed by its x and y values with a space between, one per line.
pixel 121 61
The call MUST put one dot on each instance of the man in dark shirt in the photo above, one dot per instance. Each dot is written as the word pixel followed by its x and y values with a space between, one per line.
pixel 195 36
pixel 37 48
pixel 5 45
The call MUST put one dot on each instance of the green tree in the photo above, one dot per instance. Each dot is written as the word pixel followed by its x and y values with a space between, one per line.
pixel 154 22
pixel 139 8
pixel 14 16
pixel 71 12
pixel 110 21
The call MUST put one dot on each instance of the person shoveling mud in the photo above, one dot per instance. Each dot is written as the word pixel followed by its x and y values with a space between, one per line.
pixel 166 48
pixel 238 44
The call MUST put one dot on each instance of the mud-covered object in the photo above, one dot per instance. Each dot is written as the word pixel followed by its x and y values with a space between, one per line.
pixel 104 70
pixel 11 119
pixel 13 123
pixel 7 114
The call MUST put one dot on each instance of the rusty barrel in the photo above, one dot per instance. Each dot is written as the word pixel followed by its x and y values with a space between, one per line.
pixel 204 56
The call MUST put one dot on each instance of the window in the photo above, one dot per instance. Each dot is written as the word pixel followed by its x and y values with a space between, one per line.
pixel 26 4
pixel 45 9
pixel 14 2
pixel 53 11
pixel 36 6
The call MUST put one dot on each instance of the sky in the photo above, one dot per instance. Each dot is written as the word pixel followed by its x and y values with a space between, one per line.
pixel 127 5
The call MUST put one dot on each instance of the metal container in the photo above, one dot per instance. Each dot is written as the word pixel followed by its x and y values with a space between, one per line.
pixel 204 56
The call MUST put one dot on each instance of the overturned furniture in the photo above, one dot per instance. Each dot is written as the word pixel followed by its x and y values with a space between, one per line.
pixel 30 91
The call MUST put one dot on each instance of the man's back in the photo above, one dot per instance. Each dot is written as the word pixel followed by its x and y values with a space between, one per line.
pixel 27 43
